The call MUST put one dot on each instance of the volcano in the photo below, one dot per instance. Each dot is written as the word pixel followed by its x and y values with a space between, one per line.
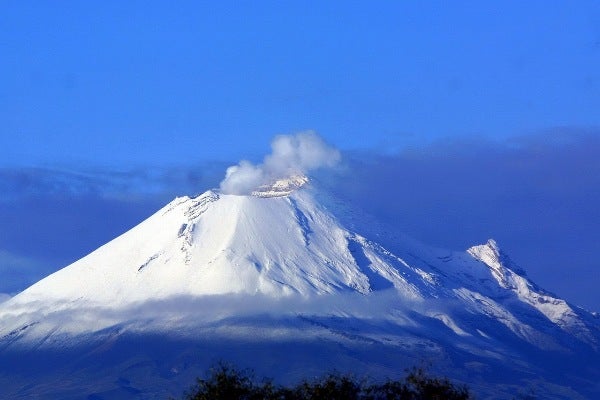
pixel 290 282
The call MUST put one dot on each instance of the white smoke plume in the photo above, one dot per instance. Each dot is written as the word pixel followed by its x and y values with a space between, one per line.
pixel 290 155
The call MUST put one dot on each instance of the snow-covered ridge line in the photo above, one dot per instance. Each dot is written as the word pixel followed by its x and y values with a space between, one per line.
pixel 556 310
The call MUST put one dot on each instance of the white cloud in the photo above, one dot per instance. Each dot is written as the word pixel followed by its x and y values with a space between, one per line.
pixel 290 155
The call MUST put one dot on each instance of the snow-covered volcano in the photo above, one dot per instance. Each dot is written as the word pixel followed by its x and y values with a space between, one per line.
pixel 282 266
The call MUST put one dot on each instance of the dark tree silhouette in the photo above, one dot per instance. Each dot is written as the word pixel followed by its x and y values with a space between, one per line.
pixel 225 382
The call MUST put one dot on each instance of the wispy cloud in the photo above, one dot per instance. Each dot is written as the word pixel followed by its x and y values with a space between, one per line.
pixel 16 183
pixel 17 271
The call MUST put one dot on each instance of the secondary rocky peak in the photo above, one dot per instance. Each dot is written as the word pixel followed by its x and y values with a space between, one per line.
pixel 494 257
pixel 491 255
pixel 488 253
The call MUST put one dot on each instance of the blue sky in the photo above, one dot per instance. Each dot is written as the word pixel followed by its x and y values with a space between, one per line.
pixel 108 109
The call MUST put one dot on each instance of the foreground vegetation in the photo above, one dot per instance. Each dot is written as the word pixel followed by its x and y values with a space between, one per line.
pixel 228 383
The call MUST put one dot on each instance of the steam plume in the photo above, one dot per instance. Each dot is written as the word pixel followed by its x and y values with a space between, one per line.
pixel 290 155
